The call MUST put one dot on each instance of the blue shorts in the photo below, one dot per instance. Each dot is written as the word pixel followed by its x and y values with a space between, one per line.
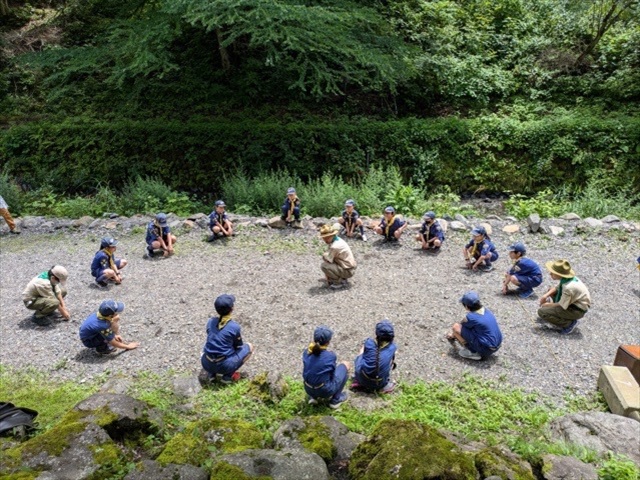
pixel 477 347
pixel 528 283
pixel 330 390
pixel 95 342
pixel 366 382
pixel 98 273
pixel 227 366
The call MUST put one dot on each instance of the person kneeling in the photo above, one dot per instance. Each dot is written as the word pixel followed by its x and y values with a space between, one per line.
pixel 431 234
pixel 376 360
pixel 159 237
pixel 338 263
pixel 100 330
pixel 105 266
pixel 525 274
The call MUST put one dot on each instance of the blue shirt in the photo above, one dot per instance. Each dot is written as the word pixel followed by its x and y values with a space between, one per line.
pixel 397 223
pixel 484 247
pixel 216 218
pixel 287 203
pixel 93 326
pixel 350 218
pixel 100 263
pixel 318 369
pixel 525 267
pixel 434 230
pixel 222 342
pixel 483 328
pixel 154 231
pixel 376 369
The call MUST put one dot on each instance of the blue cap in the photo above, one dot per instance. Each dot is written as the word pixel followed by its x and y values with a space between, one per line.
pixel 224 303
pixel 429 214
pixel 291 191
pixel 322 335
pixel 479 230
pixel 518 247
pixel 110 307
pixel 469 298
pixel 349 203
pixel 162 219
pixel 220 203
pixel 108 242
pixel 384 329
pixel 389 210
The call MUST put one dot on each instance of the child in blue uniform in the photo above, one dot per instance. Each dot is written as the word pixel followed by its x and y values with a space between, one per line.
pixel 159 237
pixel 224 352
pixel 390 225
pixel 105 266
pixel 524 274
pixel 291 207
pixel 479 333
pixel 480 252
pixel 100 329
pixel 219 222
pixel 431 234
pixel 376 360
pixel 350 220
pixel 323 378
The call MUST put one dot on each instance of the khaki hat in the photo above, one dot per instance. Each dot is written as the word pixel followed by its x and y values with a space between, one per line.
pixel 560 268
pixel 60 273
pixel 328 231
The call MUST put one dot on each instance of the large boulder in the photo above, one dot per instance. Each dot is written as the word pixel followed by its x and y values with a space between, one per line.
pixel 503 464
pixel 599 431
pixel 555 467
pixel 277 465
pixel 408 450
pixel 458 226
pixel 276 222
pixel 150 469
pixel 186 387
pixel 533 221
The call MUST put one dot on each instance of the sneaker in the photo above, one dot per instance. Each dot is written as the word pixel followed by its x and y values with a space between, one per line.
pixel 312 401
pixel 15 231
pixel 229 379
pixel 485 268
pixel 211 238
pixel 364 237
pixel 44 321
pixel 355 385
pixel 468 354
pixel 335 404
pixel 150 252
pixel 339 286
pixel 106 350
pixel 102 284
pixel 433 251
pixel 389 387
pixel 524 293
pixel 570 328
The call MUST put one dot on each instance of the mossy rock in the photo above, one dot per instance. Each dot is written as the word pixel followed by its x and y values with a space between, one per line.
pixel 226 471
pixel 200 440
pixel 502 463
pixel 268 387
pixel 26 475
pixel 409 450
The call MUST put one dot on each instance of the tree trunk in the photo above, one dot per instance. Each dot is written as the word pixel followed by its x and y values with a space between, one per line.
pixel 224 54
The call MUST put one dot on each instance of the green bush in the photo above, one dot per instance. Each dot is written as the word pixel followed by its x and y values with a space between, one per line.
pixel 618 468
pixel 544 203
pixel 10 192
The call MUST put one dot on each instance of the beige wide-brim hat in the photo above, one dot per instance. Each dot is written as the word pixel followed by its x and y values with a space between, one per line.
pixel 328 231
pixel 560 268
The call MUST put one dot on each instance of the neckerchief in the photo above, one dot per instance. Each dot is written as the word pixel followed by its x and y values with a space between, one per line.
pixel 157 229
pixel 219 217
pixel 292 204
pixel 389 223
pixel 562 283
pixel 112 263
pixel 44 275
pixel 313 344
pixel 103 318
pixel 475 248
pixel 223 321
pixel 427 230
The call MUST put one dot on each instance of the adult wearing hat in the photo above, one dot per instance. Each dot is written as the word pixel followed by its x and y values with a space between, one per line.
pixel 480 252
pixel 324 379
pixel 291 207
pixel 478 334
pixel 224 351
pixel 391 226
pixel 219 222
pixel 101 329
pixel 338 263
pixel 105 267
pixel 4 213
pixel 567 302
pixel 373 365
pixel 525 274
pixel 431 234
pixel 350 220
pixel 45 294
pixel 159 237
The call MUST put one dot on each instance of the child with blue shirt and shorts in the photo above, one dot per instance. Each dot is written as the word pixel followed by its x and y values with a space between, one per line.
pixel 159 237
pixel 390 226
pixel 480 252
pixel 291 207
pixel 100 330
pixel 105 266
pixel 525 274
pixel 375 361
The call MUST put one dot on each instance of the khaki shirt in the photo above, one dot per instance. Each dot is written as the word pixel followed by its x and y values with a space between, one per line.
pixel 40 288
pixel 340 253
pixel 575 293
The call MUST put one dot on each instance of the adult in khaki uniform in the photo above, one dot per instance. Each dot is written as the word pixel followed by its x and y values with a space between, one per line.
pixel 4 213
pixel 338 263
pixel 45 293
pixel 567 302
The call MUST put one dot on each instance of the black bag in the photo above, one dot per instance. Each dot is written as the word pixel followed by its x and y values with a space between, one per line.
pixel 14 420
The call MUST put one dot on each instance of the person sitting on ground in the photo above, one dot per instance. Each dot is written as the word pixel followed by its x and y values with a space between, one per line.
pixel 431 234
pixel 4 213
pixel 159 237
pixel 375 361
pixel 479 334
pixel 350 219
pixel 390 225
pixel 324 379
pixel 100 330
pixel 566 303
pixel 291 207
pixel 338 263
pixel 525 274
pixel 105 267
pixel 224 351
pixel 219 222
pixel 45 293
pixel 480 252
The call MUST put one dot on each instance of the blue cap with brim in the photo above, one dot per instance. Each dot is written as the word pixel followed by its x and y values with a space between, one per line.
pixel 162 219
pixel 518 247
pixel 110 307
pixel 389 210
pixel 291 191
pixel 384 329
pixel 429 214
pixel 224 304
pixel 469 298
pixel 478 231
pixel 322 335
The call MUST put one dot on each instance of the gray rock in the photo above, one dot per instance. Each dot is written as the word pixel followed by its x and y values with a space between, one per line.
pixel 320 221
pixel 128 413
pixel 297 225
pixel 510 218
pixel 570 216
pixel 512 228
pixel 47 226
pixel 593 222
pixel 203 222
pixel 82 221
pixel 502 462
pixel 460 218
pixel 533 221
pixel 444 224
pixel 187 387
pixel 610 219
pixel 457 226
pixel 555 467
pixel 599 431
pixel 189 224
pixel 276 222
pixel 95 224
pixel 117 385
pixel 32 222
pixel 261 222
pixel 63 223
pixel 494 217
pixel 488 228
pixel 279 465
pixel 544 229
pixel 196 216
pixel 111 225
pixel 152 469
pixel 448 218
pixel 555 231
pixel 175 224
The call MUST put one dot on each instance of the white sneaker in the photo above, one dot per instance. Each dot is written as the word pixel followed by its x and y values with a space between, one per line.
pixel 312 401
pixel 364 237
pixel 468 354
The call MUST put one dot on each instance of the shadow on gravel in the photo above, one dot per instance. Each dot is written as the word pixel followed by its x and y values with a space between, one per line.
pixel 637 292
pixel 551 333
pixel 28 324
pixel 89 356
pixel 478 364
pixel 323 290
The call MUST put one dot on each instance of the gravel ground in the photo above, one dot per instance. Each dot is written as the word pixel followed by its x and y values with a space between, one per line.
pixel 279 302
